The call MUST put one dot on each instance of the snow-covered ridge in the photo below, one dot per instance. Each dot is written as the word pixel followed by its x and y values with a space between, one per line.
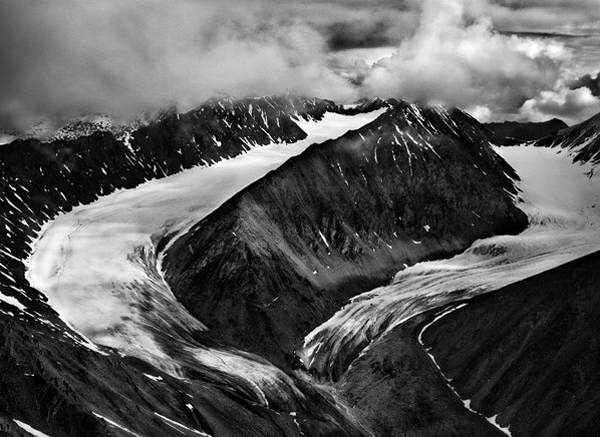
pixel 122 301
pixel 79 127
pixel 40 180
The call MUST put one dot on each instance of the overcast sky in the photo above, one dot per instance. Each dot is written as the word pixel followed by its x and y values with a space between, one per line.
pixel 502 59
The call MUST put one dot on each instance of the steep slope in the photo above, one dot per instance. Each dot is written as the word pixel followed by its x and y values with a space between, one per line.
pixel 581 141
pixel 122 301
pixel 513 132
pixel 561 203
pixel 56 381
pixel 342 218
pixel 39 180
pixel 530 352
pixel 395 389
pixel 63 390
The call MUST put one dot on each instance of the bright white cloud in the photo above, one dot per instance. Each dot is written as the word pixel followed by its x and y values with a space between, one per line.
pixel 570 105
pixel 456 61
pixel 63 58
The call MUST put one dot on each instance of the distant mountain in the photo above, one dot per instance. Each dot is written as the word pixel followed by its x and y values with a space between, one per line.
pixel 281 256
pixel 512 132
pixel 581 141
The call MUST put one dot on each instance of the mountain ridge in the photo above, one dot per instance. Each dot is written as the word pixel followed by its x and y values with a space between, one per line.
pixel 346 232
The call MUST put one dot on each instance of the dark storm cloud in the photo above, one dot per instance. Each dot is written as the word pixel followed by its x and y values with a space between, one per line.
pixel 587 81
pixel 361 34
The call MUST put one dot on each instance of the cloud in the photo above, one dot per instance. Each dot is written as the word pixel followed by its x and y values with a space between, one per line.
pixel 456 58
pixel 62 58
pixel 587 81
pixel 572 106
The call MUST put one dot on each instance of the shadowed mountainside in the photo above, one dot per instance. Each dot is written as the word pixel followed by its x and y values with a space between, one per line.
pixel 513 132
pixel 284 254
pixel 530 351
pixel 48 379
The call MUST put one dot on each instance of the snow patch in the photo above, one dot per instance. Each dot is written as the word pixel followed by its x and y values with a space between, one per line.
pixel 179 426
pixel 34 432
pixel 116 425
pixel 152 377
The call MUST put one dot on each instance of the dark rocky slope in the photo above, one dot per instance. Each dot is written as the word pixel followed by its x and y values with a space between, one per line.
pixel 530 351
pixel 513 132
pixel 581 141
pixel 54 385
pixel 39 180
pixel 60 389
pixel 280 257
pixel 396 390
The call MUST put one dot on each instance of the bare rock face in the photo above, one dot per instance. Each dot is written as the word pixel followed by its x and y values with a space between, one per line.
pixel 39 180
pixel 281 256
pixel 581 141
pixel 529 352
pixel 48 380
pixel 513 132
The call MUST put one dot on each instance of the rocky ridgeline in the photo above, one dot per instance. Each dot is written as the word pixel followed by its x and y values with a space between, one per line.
pixel 48 380
pixel 39 180
pixel 513 132
pixel 283 255
pixel 581 141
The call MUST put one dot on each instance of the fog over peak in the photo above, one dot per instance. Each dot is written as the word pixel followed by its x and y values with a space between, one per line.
pixel 61 59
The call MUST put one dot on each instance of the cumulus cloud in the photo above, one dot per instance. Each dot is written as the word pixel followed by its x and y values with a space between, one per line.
pixel 456 58
pixel 62 58
pixel 572 106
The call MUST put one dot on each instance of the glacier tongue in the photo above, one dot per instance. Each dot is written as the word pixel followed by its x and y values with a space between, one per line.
pixel 563 205
pixel 97 264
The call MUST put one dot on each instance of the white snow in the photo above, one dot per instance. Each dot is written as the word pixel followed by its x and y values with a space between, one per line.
pixel 324 239
pixel 438 317
pixel 563 205
pixel 152 377
pixel 467 402
pixel 178 426
pixel 116 425
pixel 12 301
pixel 34 432
pixel 504 429
pixel 97 263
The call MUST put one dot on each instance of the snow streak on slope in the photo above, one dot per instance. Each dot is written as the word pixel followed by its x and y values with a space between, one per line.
pixel 466 403
pixel 563 205
pixel 97 264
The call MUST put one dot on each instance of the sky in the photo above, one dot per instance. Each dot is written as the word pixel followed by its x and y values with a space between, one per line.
pixel 526 60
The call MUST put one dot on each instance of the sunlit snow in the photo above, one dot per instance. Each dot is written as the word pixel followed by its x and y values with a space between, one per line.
pixel 563 205
pixel 97 264
pixel 34 432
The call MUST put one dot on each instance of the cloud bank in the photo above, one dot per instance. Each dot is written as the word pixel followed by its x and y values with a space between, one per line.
pixel 61 59
pixel 456 58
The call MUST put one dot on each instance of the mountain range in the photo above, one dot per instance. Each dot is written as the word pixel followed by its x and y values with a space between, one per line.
pixel 301 301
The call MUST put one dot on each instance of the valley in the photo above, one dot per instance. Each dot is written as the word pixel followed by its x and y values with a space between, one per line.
pixel 297 278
